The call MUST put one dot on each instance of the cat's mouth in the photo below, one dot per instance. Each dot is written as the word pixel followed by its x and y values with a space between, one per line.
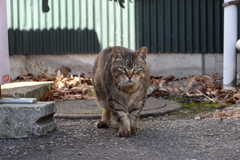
pixel 130 82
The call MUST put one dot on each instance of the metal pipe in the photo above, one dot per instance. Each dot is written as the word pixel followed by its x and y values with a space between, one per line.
pixel 230 39
pixel 18 101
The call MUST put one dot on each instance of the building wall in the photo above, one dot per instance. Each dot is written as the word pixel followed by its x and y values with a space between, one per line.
pixel 88 26
pixel 182 26
pixel 178 64
pixel 70 26
pixel 184 37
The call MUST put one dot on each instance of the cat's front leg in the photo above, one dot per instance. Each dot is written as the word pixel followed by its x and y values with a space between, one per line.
pixel 133 119
pixel 106 119
pixel 106 115
pixel 120 115
pixel 134 114
pixel 123 123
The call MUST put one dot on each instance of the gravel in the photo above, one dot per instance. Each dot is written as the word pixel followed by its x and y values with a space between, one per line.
pixel 160 139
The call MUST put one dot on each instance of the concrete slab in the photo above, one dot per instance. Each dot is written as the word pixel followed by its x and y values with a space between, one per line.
pixel 213 62
pixel 88 109
pixel 177 64
pixel 17 64
pixel 79 63
pixel 26 89
pixel 160 64
pixel 26 120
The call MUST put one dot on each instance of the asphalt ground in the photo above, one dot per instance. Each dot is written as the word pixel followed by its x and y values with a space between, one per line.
pixel 161 139
pixel 77 137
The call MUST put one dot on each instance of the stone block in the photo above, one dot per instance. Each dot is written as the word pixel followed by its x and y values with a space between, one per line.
pixel 26 89
pixel 26 120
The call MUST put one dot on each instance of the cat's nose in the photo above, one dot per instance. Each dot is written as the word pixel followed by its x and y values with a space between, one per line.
pixel 129 75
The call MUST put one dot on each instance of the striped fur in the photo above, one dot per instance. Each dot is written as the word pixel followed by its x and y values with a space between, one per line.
pixel 120 80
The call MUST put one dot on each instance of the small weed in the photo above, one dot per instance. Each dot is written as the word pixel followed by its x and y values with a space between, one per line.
pixel 198 107
pixel 90 93
pixel 101 110
pixel 191 109
pixel 4 136
pixel 175 98
pixel 85 112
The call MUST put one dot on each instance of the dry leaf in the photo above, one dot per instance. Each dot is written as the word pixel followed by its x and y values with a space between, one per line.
pixel 64 70
pixel 158 93
pixel 24 73
pixel 216 76
pixel 168 77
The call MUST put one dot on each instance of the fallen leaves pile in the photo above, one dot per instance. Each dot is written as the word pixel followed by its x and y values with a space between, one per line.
pixel 65 87
pixel 25 77
pixel 229 112
pixel 70 88
pixel 209 87
pixel 206 88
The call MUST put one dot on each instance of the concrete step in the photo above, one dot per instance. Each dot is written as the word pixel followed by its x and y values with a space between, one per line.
pixel 26 120
pixel 89 109
pixel 26 89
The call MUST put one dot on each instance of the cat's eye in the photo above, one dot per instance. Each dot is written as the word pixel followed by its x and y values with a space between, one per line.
pixel 122 68
pixel 136 68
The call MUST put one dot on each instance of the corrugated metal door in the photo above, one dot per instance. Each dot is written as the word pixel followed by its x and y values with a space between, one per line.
pixel 88 26
pixel 180 25
pixel 70 26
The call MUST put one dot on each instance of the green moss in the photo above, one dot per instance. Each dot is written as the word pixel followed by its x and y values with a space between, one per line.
pixel 90 93
pixel 175 98
pixel 4 136
pixel 90 112
pixel 101 110
pixel 191 109
pixel 86 112
pixel 202 106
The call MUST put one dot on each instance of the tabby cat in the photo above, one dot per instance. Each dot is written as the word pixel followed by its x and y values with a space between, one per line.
pixel 120 79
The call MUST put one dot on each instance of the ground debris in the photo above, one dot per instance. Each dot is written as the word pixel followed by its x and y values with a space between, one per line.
pixel 228 112
pixel 74 87
pixel 191 88
pixel 202 87
pixel 70 88
pixel 29 77
pixel 209 87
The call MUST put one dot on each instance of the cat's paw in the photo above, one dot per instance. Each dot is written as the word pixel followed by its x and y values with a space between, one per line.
pixel 124 133
pixel 102 124
pixel 136 131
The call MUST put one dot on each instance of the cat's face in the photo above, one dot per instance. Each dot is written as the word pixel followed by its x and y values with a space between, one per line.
pixel 128 68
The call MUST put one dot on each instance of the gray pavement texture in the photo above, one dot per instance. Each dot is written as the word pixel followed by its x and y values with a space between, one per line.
pixel 160 140
pixel 78 138
pixel 89 109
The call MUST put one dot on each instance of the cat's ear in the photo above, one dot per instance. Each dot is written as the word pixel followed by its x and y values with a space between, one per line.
pixel 117 52
pixel 142 52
